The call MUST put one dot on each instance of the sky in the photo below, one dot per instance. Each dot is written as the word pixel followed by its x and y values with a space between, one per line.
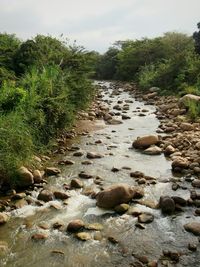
pixel 97 24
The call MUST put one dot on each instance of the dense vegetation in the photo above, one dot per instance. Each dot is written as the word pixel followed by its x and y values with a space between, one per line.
pixel 43 83
pixel 171 62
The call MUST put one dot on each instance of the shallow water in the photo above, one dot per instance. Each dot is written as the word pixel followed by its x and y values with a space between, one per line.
pixel 165 232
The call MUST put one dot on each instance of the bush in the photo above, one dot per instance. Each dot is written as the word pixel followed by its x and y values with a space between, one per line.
pixel 16 146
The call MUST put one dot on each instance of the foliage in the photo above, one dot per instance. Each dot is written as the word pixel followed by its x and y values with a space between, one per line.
pixel 196 36
pixel 41 98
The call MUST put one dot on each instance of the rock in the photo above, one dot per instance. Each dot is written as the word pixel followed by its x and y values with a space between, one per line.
pixel 85 175
pixel 153 264
pixel 25 177
pixel 94 226
pixel 66 162
pixel 153 150
pixel 145 218
pixel 179 200
pixel 112 240
pixel 45 195
pixel 37 176
pixel 185 126
pixel 115 195
pixel 18 196
pixel 39 236
pixel 169 150
pixel 154 89
pixel 20 203
pixel 3 218
pixel 122 208
pixel 114 122
pixel 58 252
pixel 98 236
pixel 192 246
pixel 134 211
pixel 193 227
pixel 3 248
pixel 145 141
pixel 125 117
pixel 76 183
pixel 60 195
pixel 75 226
pixel 83 236
pixel 137 174
pixel 167 204
pixel 87 162
pixel 78 154
pixel 94 155
pixel 196 183
pixel 180 162
pixel 52 171
pixel 187 99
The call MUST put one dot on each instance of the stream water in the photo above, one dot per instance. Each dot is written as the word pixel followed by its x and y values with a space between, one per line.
pixel 165 232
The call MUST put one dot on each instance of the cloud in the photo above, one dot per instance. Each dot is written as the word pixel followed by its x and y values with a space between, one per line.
pixel 96 24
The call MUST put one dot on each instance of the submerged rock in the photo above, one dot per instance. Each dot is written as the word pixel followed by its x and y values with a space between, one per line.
pixel 167 204
pixel 3 218
pixel 83 236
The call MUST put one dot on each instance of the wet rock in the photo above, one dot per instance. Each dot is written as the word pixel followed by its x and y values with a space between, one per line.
pixel 25 177
pixel 39 236
pixel 137 174
pixel 192 246
pixel 94 155
pixel 193 227
pixel 60 195
pixel 98 236
pixel 153 150
pixel 134 211
pixel 66 162
pixel 44 225
pixel 75 226
pixel 196 183
pixel 167 204
pixel 52 171
pixel 180 162
pixel 169 150
pixel 76 183
pixel 37 176
pixel 145 218
pixel 114 169
pixel 58 225
pixel 3 248
pixel 125 117
pixel 115 195
pixel 153 263
pixel 112 240
pixel 3 218
pixel 78 154
pixel 145 141
pixel 122 208
pixel 94 226
pixel 140 226
pixel 20 203
pixel 85 175
pixel 18 196
pixel 87 162
pixel 179 200
pixel 83 236
pixel 57 252
pixel 45 195
pixel 114 122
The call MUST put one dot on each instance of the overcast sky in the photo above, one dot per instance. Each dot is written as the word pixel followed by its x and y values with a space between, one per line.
pixel 96 24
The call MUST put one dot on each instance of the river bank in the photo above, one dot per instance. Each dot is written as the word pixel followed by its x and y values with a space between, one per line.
pixel 144 232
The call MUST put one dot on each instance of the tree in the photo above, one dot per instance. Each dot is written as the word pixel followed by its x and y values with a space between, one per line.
pixel 196 36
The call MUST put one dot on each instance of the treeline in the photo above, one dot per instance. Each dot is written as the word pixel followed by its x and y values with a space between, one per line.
pixel 171 62
pixel 43 83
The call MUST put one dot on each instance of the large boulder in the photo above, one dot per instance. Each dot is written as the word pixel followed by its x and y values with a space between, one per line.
pixel 45 195
pixel 115 195
pixel 25 177
pixel 145 141
pixel 193 227
pixel 180 163
pixel 167 204
pixel 185 101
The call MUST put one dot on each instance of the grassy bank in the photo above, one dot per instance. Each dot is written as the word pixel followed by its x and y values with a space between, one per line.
pixel 43 83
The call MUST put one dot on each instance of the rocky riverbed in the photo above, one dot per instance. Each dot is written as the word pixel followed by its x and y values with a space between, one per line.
pixel 121 189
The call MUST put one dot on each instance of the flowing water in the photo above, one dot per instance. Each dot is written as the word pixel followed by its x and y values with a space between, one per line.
pixel 165 232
